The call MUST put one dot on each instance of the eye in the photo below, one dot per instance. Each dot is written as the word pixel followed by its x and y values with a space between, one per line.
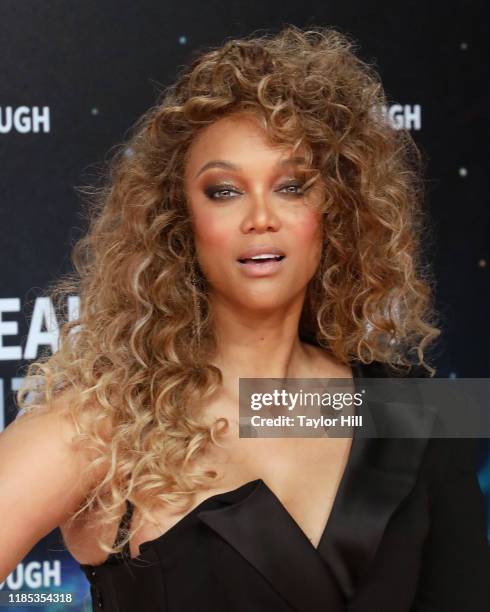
pixel 293 189
pixel 221 192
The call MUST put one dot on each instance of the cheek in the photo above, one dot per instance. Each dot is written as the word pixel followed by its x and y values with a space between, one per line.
pixel 307 230
pixel 213 236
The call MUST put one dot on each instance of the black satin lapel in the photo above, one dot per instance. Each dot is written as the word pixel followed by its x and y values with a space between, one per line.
pixel 265 534
pixel 367 498
pixel 379 475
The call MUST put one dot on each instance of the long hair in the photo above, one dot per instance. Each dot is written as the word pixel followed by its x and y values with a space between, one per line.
pixel 136 359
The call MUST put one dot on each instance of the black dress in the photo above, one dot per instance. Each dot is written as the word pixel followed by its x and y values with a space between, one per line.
pixel 406 533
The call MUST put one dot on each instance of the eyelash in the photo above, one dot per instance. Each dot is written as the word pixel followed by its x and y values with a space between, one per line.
pixel 213 190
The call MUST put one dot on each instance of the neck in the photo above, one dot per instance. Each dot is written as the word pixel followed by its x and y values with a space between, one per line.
pixel 260 343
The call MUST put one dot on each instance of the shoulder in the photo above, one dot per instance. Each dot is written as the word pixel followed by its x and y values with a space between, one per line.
pixel 457 456
pixel 43 427
pixel 46 436
pixel 44 478
pixel 444 456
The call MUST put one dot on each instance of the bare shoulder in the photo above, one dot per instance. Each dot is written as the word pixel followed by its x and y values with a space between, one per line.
pixel 44 478
pixel 53 427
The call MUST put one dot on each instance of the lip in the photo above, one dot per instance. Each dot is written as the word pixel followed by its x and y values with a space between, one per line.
pixel 261 250
pixel 256 270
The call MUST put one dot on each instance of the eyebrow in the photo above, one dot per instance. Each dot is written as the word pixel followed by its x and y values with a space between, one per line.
pixel 227 165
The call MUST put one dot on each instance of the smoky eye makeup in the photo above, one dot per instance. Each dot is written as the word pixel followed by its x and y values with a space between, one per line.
pixel 216 191
pixel 296 183
pixel 291 186
pixel 294 187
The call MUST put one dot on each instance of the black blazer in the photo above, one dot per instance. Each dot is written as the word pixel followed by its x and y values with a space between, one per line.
pixel 406 533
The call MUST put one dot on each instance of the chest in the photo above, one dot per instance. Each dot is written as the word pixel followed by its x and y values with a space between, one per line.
pixel 304 474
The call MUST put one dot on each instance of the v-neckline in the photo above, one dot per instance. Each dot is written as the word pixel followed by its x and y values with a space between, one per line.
pixel 242 493
pixel 379 474
pixel 357 374
pixel 237 493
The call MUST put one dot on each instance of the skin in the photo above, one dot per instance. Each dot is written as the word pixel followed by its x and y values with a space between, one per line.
pixel 258 202
pixel 257 322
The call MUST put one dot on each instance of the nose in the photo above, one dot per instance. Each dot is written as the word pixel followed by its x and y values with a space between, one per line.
pixel 260 215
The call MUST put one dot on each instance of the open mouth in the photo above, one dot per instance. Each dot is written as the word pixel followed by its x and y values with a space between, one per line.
pixel 258 260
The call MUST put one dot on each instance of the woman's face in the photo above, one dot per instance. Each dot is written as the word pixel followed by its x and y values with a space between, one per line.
pixel 246 198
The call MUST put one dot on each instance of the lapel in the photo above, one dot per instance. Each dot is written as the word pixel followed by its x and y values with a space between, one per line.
pixel 379 474
pixel 265 534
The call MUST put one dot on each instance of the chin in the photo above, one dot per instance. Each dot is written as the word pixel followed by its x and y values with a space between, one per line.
pixel 264 303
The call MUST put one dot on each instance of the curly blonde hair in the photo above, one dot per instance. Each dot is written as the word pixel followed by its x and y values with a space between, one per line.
pixel 136 350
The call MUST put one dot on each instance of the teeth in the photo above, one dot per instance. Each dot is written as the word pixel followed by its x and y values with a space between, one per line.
pixel 265 256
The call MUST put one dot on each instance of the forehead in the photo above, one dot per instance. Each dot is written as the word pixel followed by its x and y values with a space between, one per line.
pixel 237 138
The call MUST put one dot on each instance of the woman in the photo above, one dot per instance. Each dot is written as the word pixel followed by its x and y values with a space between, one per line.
pixel 270 148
